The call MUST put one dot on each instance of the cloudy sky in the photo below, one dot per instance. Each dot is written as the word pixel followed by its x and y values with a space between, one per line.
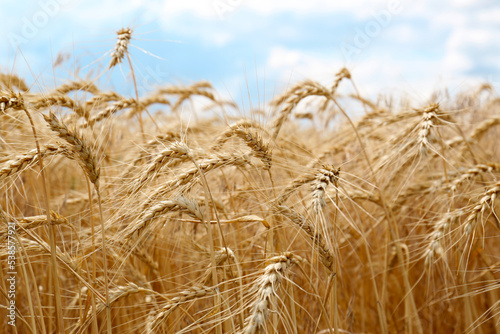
pixel 255 47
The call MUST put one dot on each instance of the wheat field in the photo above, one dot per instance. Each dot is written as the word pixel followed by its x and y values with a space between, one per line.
pixel 118 214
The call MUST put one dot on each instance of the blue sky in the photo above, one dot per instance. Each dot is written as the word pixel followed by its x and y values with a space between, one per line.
pixel 258 47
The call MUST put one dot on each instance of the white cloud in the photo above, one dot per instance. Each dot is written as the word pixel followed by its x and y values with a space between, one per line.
pixel 291 65
pixel 402 33
pixel 374 75
pixel 467 38
pixel 211 9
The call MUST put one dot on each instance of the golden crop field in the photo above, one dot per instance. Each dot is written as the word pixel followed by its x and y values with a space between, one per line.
pixel 120 215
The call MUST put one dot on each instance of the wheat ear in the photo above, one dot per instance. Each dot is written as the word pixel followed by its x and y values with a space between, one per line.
pixel 228 133
pixel 487 201
pixel 79 85
pixel 58 100
pixel 193 293
pixel 178 151
pixel 27 160
pixel 121 47
pixel 86 156
pixel 115 295
pixel 434 249
pixel 326 255
pixel 254 141
pixel 10 81
pixel 11 100
pixel 325 176
pixel 429 120
pixel 293 97
pixel 110 110
pixel 180 204
pixel 483 127
pixel 205 166
pixel 266 286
